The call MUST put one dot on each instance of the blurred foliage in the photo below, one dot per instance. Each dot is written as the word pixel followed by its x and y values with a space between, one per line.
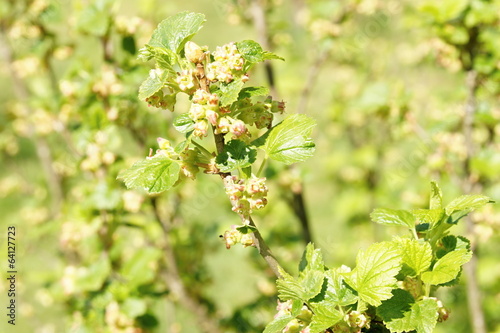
pixel 385 80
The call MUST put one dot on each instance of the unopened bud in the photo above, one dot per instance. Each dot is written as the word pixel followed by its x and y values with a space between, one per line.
pixel 194 53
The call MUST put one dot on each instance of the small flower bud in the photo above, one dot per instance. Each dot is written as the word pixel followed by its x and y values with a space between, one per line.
pixel 163 143
pixel 194 53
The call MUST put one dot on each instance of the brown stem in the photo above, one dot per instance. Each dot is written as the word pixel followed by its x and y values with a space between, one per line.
pixel 265 251
pixel 176 286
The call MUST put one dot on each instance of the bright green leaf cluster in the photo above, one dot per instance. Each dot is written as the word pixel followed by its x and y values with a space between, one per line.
pixel 391 282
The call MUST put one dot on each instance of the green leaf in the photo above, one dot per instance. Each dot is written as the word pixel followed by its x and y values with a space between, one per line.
pixel 278 324
pixel 252 52
pixel 436 199
pixel 311 283
pixel 248 92
pixel 155 81
pixel 393 217
pixel 375 274
pixel 312 259
pixel 91 278
pixel 173 32
pixel 128 44
pixel 236 154
pixel 289 141
pixel 134 307
pixel 154 174
pixel 288 287
pixel 337 291
pixel 422 317
pixel 165 59
pixel 417 255
pixel 183 123
pixel 430 216
pixel 447 268
pixel 324 317
pixel 229 92
pixel 140 268
pixel 246 229
pixel 451 243
pixel 443 10
pixel 395 307
pixel 94 20
pixel 470 201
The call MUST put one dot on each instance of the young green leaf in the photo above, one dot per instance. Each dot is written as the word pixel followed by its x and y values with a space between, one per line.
pixel 94 19
pixel 337 291
pixel 253 91
pixel 311 282
pixel 183 123
pixel 417 255
pixel 467 202
pixel 436 199
pixel 137 270
pixel 324 317
pixel 173 32
pixel 236 154
pixel 312 259
pixel 289 141
pixel 155 174
pixel 155 81
pixel 229 92
pixel 447 268
pixel 375 274
pixel 395 307
pixel 422 317
pixel 430 216
pixel 393 217
pixel 252 52
pixel 451 243
pixel 278 324
pixel 288 287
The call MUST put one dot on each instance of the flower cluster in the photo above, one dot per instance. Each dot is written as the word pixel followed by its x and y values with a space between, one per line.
pixel 159 100
pixel 300 324
pixel 185 80
pixel 246 195
pixel 227 64
pixel 190 158
pixel 234 236
pixel 259 114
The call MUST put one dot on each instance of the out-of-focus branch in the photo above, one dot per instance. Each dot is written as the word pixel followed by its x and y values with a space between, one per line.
pixel 175 284
pixel 469 185
pixel 260 24
pixel 41 145
pixel 297 202
pixel 312 77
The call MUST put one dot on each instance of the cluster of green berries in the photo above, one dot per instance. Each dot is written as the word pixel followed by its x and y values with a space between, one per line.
pixel 246 195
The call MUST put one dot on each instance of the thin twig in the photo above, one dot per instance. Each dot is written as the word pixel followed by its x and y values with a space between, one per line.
pixel 176 286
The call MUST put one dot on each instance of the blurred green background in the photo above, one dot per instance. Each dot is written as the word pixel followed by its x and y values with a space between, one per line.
pixel 388 82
